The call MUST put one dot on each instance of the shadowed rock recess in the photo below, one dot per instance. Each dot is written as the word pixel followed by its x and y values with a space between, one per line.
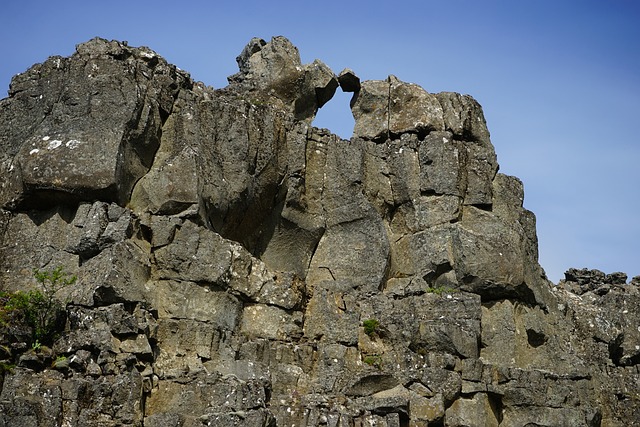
pixel 229 255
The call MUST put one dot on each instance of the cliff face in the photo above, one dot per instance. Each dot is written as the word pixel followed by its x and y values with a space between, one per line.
pixel 237 266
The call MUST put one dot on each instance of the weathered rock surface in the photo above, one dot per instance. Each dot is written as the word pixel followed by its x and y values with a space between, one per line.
pixel 229 254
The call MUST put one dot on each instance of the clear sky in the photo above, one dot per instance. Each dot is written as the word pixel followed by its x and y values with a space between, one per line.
pixel 559 81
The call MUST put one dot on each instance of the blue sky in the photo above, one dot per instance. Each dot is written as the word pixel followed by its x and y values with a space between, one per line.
pixel 559 82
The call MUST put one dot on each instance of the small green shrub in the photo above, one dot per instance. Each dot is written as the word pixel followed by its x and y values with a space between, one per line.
pixel 39 311
pixel 371 326
pixel 45 308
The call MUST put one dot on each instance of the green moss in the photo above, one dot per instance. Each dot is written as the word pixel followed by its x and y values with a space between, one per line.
pixel 371 326
pixel 439 290
pixel 373 360
pixel 6 367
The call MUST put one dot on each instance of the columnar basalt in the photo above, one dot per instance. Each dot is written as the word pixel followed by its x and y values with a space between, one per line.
pixel 229 254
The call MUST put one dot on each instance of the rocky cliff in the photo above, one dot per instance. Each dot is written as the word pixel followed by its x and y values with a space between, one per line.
pixel 237 266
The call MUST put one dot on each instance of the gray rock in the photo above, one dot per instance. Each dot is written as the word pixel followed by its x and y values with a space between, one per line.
pixel 187 300
pixel 383 108
pixel 171 184
pixel 114 400
pixel 274 69
pixel 349 81
pixel 331 314
pixel 115 275
pixel 355 252
pixel 126 92
pixel 479 409
pixel 464 118
pixel 370 109
pixel 232 259
pixel 209 398
pixel 270 322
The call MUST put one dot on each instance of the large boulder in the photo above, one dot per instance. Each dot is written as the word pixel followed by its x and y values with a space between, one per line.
pixel 85 127
pixel 274 69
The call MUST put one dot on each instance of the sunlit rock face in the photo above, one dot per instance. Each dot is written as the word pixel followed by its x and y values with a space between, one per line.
pixel 237 266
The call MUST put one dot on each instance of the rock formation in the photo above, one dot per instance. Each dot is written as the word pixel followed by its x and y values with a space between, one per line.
pixel 237 266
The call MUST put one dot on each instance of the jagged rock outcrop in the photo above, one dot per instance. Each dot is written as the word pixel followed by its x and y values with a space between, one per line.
pixel 237 266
